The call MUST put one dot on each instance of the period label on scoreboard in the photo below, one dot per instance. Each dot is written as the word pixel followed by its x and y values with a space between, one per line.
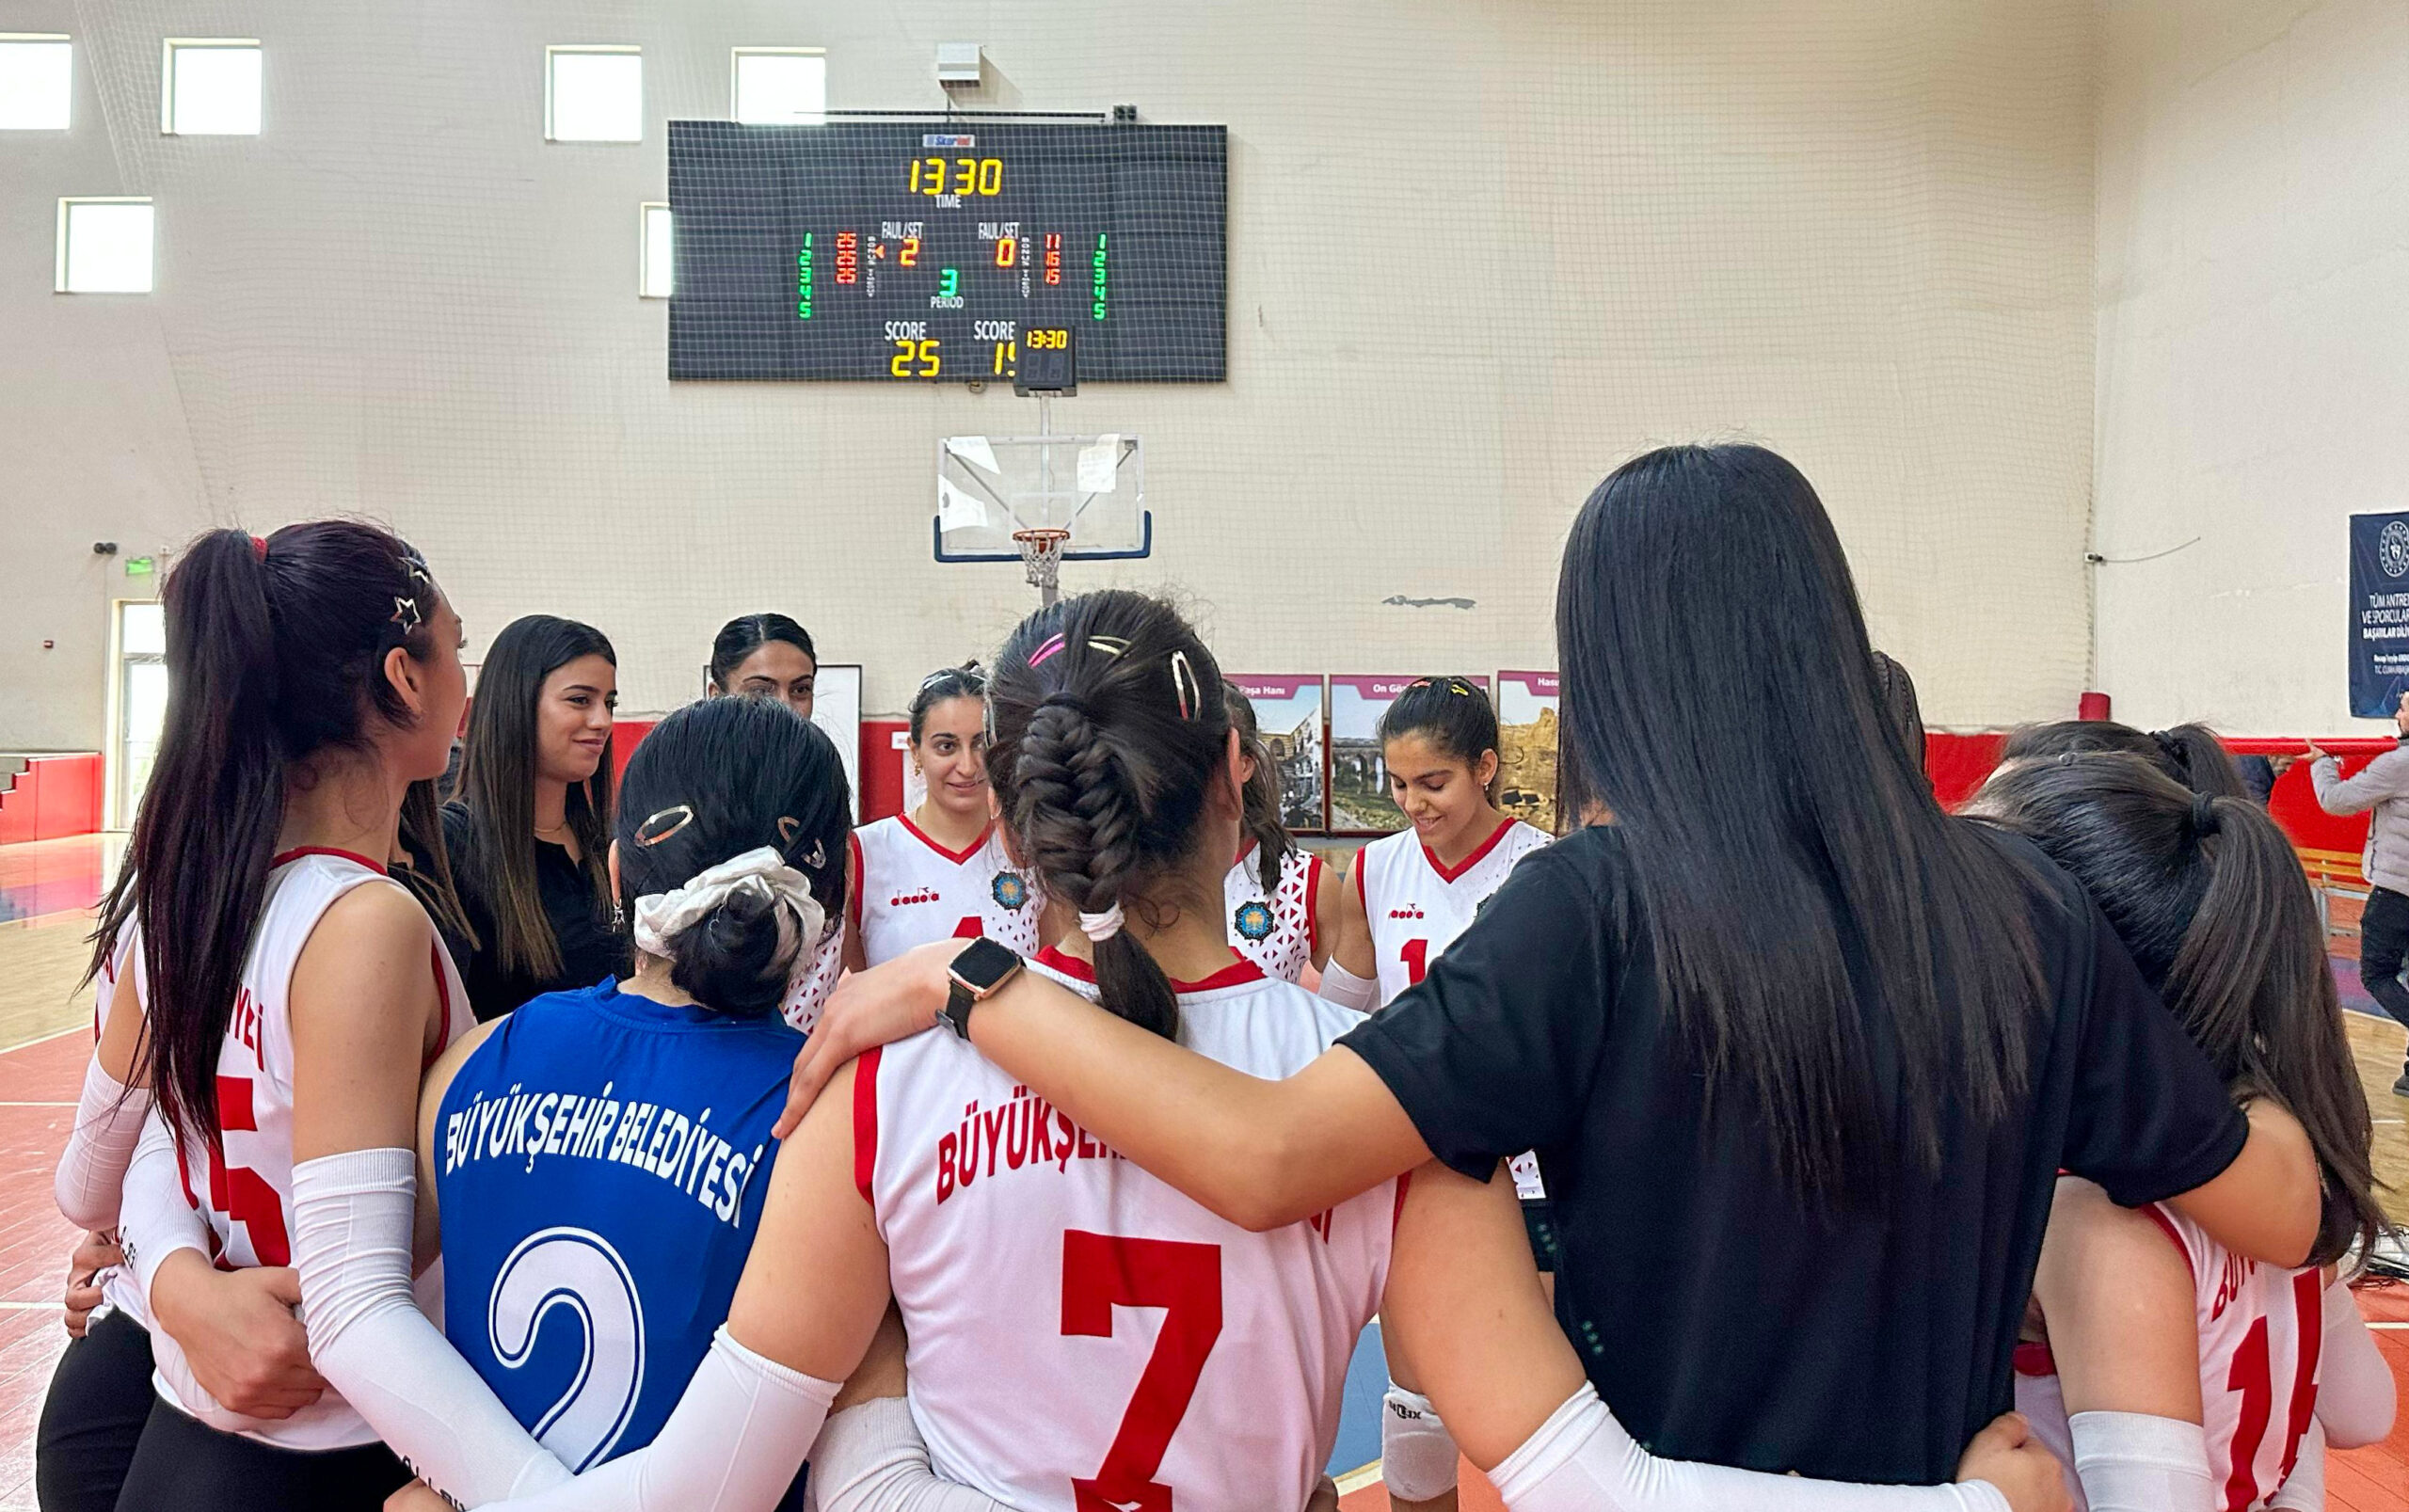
pixel 885 252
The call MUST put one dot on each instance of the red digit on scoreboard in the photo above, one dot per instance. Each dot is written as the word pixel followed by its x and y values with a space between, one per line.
pixel 1053 257
pixel 848 257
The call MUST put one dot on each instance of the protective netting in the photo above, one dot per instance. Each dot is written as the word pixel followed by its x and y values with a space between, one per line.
pixel 1476 255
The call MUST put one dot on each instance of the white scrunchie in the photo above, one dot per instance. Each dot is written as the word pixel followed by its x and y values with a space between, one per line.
pixel 1101 926
pixel 660 917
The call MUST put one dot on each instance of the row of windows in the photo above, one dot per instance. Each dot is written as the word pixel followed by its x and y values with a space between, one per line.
pixel 210 87
pixel 105 248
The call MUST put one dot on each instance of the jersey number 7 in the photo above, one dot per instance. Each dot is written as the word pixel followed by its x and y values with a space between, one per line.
pixel 1101 1272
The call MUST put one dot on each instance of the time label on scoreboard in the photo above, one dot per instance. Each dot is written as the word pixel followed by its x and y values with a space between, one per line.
pixel 947 252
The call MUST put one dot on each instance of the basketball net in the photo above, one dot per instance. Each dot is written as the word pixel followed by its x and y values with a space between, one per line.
pixel 1040 553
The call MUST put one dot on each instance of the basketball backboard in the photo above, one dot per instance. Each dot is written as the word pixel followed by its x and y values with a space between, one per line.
pixel 1093 486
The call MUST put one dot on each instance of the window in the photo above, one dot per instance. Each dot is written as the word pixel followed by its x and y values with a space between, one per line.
pixel 780 86
pixel 593 94
pixel 104 247
pixel 653 276
pixel 36 81
pixel 209 87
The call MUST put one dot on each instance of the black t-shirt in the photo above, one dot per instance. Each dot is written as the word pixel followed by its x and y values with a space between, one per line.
pixel 1720 1316
pixel 589 950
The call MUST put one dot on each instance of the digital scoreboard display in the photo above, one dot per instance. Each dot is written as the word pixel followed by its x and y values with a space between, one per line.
pixel 930 251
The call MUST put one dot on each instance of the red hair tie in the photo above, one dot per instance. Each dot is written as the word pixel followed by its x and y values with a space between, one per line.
pixel 259 546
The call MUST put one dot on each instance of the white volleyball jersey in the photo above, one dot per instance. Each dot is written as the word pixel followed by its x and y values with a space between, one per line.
pixel 1417 907
pixel 1082 1336
pixel 244 1190
pixel 912 890
pixel 2261 1329
pixel 1279 932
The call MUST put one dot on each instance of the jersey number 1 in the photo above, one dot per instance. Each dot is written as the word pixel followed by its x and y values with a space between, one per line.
pixel 2252 1376
pixel 1101 1272
pixel 1416 956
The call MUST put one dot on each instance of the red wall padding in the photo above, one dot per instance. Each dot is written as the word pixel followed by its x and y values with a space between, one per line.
pixel 55 797
pixel 882 773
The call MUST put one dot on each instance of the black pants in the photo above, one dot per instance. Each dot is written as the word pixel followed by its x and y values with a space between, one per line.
pixel 100 1397
pixel 2384 939
pixel 183 1465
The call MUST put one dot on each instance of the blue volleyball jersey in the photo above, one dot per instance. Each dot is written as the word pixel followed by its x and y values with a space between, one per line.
pixel 602 1161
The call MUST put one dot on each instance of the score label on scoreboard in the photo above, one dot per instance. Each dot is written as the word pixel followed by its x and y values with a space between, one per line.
pixel 885 252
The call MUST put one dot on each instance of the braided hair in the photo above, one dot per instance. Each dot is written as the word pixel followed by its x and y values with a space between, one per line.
pixel 1109 733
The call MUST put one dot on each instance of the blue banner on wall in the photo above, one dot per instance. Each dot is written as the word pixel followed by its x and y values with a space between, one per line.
pixel 2379 614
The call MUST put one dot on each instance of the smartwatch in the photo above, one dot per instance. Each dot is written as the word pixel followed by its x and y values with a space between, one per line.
pixel 976 975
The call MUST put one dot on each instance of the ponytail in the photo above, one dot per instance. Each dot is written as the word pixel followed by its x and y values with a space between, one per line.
pixel 2208 895
pixel 1111 730
pixel 275 652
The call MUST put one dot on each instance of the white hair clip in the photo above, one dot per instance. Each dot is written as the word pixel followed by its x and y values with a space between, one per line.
pixel 1183 683
pixel 405 613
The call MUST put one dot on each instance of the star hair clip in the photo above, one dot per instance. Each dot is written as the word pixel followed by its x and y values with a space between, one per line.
pixel 405 613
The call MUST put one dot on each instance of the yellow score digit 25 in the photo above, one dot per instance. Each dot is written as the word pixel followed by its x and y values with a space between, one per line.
pixel 913 360
pixel 970 175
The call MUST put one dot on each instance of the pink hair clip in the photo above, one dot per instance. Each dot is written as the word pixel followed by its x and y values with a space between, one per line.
pixel 1046 651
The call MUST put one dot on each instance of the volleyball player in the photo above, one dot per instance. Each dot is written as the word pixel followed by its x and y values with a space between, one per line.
pixel 1282 901
pixel 293 994
pixel 1016 1245
pixel 610 1146
pixel 2196 1376
pixel 764 655
pixel 942 871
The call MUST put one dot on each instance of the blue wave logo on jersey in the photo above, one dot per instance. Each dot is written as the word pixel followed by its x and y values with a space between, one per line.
pixel 1011 891
pixel 1254 920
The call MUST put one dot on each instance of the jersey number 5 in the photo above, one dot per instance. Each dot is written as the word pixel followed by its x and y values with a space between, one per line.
pixel 577 1269
pixel 1101 1272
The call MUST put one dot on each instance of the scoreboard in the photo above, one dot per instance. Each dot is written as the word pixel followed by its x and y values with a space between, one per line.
pixel 935 250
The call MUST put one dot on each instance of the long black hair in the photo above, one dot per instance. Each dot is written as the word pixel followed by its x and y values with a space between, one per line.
pixel 1110 731
pixel 713 781
pixel 1899 697
pixel 498 789
pixel 1720 702
pixel 743 635
pixel 1261 820
pixel 2190 753
pixel 276 654
pixel 2208 895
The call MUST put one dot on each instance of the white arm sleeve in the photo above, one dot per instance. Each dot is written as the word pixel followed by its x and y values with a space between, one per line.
pixel 2303 1489
pixel 154 1218
pixel 351 1243
pixel 1581 1460
pixel 2132 1462
pixel 1348 990
pixel 2356 1395
pixel 870 1458
pixel 732 1443
pixel 91 1169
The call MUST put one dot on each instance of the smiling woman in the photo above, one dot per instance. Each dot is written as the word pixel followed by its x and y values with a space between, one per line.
pixel 528 825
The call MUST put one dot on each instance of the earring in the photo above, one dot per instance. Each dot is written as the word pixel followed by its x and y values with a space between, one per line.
pixel 618 916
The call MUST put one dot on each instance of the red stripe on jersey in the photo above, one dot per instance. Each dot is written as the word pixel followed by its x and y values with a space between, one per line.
pixel 866 1124
pixel 1396 1215
pixel 1313 906
pixel 2166 1226
pixel 298 851
pixel 957 857
pixel 2035 1360
pixel 443 1006
pixel 1355 870
pixel 1448 873
pixel 1235 974
pixel 854 904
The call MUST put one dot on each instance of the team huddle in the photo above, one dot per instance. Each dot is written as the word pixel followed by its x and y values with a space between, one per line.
pixel 997 1155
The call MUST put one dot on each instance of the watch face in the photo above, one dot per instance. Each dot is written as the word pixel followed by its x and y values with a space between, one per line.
pixel 983 966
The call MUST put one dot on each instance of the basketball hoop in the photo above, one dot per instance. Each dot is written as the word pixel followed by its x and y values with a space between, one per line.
pixel 1040 553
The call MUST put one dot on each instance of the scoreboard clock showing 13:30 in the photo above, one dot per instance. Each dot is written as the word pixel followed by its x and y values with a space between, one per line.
pixel 949 250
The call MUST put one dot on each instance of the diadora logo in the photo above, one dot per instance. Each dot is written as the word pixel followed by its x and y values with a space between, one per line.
pixel 1408 912
pixel 925 895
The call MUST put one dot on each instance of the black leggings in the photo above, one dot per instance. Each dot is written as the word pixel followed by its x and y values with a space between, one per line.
pixel 100 1397
pixel 2383 940
pixel 183 1465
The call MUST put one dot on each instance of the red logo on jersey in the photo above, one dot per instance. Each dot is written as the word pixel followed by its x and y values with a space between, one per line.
pixel 1406 913
pixel 1026 1131
pixel 926 894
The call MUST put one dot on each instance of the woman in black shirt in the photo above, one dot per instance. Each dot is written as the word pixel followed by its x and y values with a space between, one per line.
pixel 529 825
pixel 1800 1055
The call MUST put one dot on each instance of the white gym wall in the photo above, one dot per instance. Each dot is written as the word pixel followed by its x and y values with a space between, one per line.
pixel 1478 255
pixel 2253 348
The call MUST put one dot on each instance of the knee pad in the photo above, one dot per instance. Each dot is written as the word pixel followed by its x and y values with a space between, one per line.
pixel 1417 1454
